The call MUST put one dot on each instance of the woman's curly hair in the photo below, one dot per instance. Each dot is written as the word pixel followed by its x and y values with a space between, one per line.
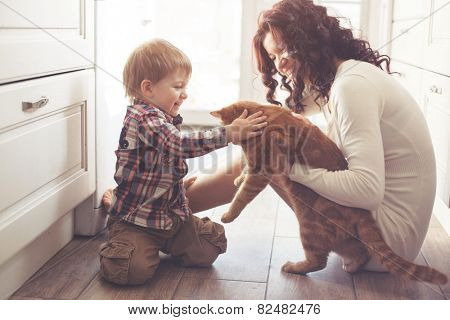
pixel 313 39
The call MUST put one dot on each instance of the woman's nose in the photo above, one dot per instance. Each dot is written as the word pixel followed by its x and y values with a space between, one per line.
pixel 184 95
pixel 282 66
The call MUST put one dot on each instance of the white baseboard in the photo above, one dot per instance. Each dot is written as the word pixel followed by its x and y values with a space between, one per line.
pixel 89 220
pixel 18 269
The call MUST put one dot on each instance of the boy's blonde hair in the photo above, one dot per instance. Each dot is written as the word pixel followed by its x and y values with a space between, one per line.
pixel 153 60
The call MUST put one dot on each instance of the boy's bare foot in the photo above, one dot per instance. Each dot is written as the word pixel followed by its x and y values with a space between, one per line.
pixel 107 198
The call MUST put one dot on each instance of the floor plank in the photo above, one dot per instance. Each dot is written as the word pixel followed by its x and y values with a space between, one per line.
pixel 287 223
pixel 260 241
pixel 436 250
pixel 248 253
pixel 331 283
pixel 264 206
pixel 249 240
pixel 385 286
pixel 68 273
pixel 23 298
pixel 210 289
pixel 161 287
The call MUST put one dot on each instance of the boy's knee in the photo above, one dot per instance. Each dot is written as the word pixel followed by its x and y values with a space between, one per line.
pixel 141 271
pixel 208 258
pixel 212 242
pixel 118 265
pixel 212 234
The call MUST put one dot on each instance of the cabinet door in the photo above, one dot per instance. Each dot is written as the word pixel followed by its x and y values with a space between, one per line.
pixel 437 49
pixel 437 111
pixel 408 41
pixel 45 36
pixel 47 158
pixel 409 9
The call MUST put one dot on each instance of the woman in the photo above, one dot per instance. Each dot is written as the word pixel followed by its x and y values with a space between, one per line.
pixel 372 119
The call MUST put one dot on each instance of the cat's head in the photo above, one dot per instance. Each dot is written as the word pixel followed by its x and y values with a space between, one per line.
pixel 227 114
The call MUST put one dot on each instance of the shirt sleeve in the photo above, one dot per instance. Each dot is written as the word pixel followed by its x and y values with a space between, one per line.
pixel 357 107
pixel 165 137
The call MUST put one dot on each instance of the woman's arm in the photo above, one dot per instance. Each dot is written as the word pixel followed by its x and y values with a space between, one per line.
pixel 356 107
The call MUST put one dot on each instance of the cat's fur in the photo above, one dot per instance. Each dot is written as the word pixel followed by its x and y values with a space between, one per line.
pixel 325 226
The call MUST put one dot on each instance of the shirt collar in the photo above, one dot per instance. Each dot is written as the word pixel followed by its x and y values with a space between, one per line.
pixel 177 120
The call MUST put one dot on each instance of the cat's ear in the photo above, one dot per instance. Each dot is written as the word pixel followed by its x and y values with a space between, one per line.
pixel 216 114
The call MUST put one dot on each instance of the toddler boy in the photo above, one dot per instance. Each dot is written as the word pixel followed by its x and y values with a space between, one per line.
pixel 148 210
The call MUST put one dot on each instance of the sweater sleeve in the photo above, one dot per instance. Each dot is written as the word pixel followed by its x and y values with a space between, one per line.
pixel 164 136
pixel 356 107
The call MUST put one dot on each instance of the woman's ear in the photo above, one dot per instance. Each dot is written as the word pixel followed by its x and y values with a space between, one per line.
pixel 147 88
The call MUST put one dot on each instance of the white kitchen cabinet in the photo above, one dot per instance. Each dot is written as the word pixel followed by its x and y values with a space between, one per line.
pixel 422 55
pixel 421 34
pixel 47 129
pixel 48 155
pixel 437 111
pixel 45 37
pixel 437 42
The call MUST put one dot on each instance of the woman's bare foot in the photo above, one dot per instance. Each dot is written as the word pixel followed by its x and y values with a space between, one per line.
pixel 107 198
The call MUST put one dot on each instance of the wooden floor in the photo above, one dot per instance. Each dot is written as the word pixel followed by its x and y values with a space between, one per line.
pixel 259 242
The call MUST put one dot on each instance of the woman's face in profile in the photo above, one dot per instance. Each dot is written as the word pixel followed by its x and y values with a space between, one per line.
pixel 278 53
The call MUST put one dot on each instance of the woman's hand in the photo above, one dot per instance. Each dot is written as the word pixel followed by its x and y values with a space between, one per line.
pixel 244 127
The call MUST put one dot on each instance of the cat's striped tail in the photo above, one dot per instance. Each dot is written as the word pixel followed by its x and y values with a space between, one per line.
pixel 371 236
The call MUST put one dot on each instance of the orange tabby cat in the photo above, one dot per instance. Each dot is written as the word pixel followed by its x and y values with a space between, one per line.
pixel 325 226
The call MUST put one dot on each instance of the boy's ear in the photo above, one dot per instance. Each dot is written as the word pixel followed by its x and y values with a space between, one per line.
pixel 147 88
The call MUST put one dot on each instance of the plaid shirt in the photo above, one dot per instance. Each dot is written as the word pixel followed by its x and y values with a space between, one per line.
pixel 150 166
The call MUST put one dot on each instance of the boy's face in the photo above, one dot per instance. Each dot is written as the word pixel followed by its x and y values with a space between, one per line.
pixel 169 93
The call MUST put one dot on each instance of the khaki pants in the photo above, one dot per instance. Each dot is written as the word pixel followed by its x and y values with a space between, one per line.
pixel 131 255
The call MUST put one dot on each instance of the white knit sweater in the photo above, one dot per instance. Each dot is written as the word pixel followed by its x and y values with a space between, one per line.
pixel 392 171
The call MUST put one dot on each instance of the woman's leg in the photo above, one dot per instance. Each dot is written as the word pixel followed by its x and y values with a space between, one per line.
pixel 212 190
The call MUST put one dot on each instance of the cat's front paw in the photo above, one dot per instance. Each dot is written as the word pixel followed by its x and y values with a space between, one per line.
pixel 227 218
pixel 288 267
pixel 296 267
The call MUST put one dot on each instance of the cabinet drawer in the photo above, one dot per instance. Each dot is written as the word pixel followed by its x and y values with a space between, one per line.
pixel 45 37
pixel 37 153
pixel 60 90
pixel 47 165
pixel 437 49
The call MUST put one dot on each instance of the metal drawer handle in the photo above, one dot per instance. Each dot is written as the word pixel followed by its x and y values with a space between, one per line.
pixel 435 89
pixel 42 102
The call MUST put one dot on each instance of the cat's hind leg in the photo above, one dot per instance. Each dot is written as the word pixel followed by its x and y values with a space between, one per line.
pixel 354 255
pixel 314 262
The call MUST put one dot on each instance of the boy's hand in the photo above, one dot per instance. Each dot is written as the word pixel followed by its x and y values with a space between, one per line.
pixel 245 127
pixel 297 115
pixel 189 182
